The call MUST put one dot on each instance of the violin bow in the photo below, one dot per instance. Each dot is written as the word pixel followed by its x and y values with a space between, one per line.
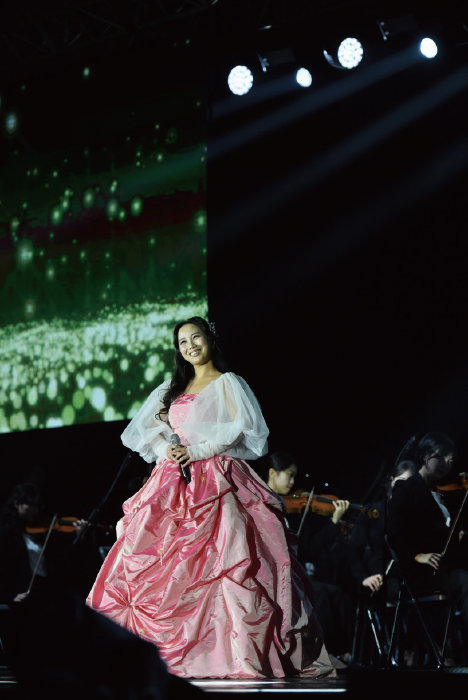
pixel 454 524
pixel 309 501
pixel 38 563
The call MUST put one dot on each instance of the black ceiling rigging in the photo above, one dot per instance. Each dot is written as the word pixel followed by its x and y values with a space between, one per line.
pixel 37 35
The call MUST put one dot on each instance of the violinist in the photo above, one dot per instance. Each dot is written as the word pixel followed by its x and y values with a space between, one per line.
pixel 52 643
pixel 281 475
pixel 319 548
pixel 372 569
pixel 432 552
pixel 26 564
pixel 19 551
pixel 369 555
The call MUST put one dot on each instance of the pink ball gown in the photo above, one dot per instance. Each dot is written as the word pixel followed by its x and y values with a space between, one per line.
pixel 205 572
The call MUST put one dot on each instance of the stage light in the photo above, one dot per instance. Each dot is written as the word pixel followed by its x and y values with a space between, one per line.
pixel 240 80
pixel 350 52
pixel 11 123
pixel 428 47
pixel 304 77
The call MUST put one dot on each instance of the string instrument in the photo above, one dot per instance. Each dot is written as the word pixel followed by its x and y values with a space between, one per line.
pixel 452 494
pixel 456 486
pixel 39 559
pixel 321 504
pixel 65 524
pixel 461 486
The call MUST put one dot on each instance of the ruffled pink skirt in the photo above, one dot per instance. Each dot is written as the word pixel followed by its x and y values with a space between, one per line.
pixel 205 572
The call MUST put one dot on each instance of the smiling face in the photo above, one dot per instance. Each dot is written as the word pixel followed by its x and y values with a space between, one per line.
pixel 193 345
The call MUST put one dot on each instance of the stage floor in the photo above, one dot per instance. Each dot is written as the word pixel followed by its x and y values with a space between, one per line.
pixel 273 686
pixel 351 684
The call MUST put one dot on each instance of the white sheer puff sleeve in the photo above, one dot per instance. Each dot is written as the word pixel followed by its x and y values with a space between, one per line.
pixel 147 434
pixel 226 419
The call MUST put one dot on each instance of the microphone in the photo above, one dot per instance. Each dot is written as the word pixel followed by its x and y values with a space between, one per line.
pixel 175 440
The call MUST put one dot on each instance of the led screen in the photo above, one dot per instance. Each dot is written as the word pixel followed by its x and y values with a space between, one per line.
pixel 102 245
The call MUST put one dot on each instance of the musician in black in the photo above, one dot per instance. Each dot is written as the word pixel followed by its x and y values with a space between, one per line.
pixel 369 555
pixel 53 641
pixel 19 549
pixel 32 557
pixel 322 551
pixel 432 550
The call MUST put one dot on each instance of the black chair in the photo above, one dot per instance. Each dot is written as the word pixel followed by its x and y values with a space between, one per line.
pixel 423 626
pixel 4 610
pixel 371 635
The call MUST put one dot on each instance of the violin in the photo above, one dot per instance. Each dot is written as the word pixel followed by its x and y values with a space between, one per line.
pixel 65 524
pixel 460 485
pixel 321 504
pixel 453 495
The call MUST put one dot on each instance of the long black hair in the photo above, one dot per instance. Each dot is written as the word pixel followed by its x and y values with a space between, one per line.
pixel 184 371
pixel 279 461
pixel 418 447
pixel 27 492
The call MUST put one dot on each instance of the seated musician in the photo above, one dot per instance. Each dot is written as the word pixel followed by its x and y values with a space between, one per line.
pixel 370 558
pixel 27 564
pixel 55 645
pixel 19 550
pixel 322 551
pixel 433 556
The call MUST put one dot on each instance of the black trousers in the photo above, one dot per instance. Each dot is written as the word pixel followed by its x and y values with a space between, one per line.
pixel 335 610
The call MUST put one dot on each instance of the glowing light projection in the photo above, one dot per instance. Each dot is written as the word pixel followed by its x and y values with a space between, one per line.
pixel 103 250
pixel 350 52
pixel 428 47
pixel 240 80
pixel 11 123
pixel 304 77
pixel 64 371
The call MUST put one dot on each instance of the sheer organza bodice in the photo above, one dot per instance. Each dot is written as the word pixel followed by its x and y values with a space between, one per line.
pixel 177 414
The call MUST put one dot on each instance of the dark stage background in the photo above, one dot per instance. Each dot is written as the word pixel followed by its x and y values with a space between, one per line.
pixel 337 258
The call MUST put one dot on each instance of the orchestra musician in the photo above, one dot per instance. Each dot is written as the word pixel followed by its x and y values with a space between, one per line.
pixel 369 555
pixel 431 546
pixel 320 546
pixel 30 557
pixel 20 550
pixel 53 644
pixel 372 568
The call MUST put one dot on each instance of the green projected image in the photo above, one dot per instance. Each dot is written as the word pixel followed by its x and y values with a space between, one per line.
pixel 102 247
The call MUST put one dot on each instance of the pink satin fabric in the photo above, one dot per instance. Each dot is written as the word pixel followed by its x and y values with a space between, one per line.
pixel 205 572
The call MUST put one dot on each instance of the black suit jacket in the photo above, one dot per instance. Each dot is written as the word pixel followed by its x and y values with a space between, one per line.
pixel 60 560
pixel 368 551
pixel 416 524
pixel 15 571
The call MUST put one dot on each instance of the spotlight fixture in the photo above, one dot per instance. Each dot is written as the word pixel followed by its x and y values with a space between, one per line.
pixel 408 31
pixel 240 80
pixel 428 47
pixel 303 77
pixel 349 54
